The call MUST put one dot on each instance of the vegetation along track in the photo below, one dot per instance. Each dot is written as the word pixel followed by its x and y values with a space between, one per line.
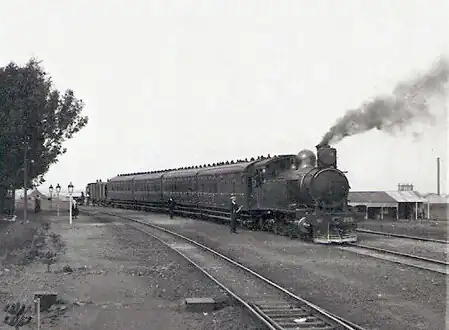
pixel 271 304
pixel 433 265
pixel 416 238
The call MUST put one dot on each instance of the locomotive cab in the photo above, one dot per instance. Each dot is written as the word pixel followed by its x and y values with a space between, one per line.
pixel 271 178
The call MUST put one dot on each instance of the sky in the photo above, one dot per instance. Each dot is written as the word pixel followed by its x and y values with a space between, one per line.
pixel 177 83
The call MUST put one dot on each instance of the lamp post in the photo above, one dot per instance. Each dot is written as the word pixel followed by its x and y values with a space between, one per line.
pixel 70 206
pixel 50 189
pixel 58 190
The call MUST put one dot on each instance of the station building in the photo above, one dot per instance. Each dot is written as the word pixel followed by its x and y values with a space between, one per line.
pixel 405 203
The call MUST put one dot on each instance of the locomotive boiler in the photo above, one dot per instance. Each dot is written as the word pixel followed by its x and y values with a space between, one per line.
pixel 303 195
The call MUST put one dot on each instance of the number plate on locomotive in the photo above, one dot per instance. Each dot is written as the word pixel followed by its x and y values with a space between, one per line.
pixel 347 219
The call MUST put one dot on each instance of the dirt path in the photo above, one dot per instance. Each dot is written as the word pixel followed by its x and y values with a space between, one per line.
pixel 120 279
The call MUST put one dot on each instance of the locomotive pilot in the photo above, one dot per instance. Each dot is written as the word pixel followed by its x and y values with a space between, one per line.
pixel 235 210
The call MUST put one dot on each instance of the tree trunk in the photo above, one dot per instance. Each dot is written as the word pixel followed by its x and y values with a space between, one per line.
pixel 2 199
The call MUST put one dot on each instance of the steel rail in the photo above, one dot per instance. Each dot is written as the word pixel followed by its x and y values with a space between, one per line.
pixel 402 255
pixel 260 313
pixel 417 238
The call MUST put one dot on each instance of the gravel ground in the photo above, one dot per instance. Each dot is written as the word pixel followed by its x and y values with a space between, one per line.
pixel 426 229
pixel 121 279
pixel 432 250
pixel 16 238
pixel 373 293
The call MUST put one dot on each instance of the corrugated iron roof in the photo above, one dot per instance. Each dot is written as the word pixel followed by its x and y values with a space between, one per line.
pixel 406 197
pixel 435 199
pixel 370 197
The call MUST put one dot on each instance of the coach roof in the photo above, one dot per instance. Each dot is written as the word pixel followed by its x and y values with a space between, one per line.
pixel 187 172
pixel 149 176
pixel 224 169
pixel 122 178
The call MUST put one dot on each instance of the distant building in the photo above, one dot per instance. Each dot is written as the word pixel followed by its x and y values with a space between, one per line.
pixel 438 206
pixel 36 194
pixel 404 204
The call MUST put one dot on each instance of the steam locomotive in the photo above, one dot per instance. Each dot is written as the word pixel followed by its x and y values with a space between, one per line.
pixel 303 195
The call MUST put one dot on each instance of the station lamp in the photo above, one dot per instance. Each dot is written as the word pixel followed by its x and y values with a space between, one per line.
pixel 70 188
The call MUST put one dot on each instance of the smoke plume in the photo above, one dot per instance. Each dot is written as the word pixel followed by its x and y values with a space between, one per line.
pixel 409 101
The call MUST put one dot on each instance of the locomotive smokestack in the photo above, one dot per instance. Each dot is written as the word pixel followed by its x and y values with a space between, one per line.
pixel 321 145
pixel 326 156
pixel 438 176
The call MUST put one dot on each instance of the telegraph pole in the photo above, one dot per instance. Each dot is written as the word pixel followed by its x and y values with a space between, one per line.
pixel 438 176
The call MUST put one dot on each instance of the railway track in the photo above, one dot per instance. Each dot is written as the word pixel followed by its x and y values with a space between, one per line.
pixel 416 238
pixel 275 307
pixel 411 260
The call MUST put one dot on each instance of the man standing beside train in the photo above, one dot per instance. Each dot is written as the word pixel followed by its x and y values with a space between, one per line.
pixel 235 210
pixel 171 207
